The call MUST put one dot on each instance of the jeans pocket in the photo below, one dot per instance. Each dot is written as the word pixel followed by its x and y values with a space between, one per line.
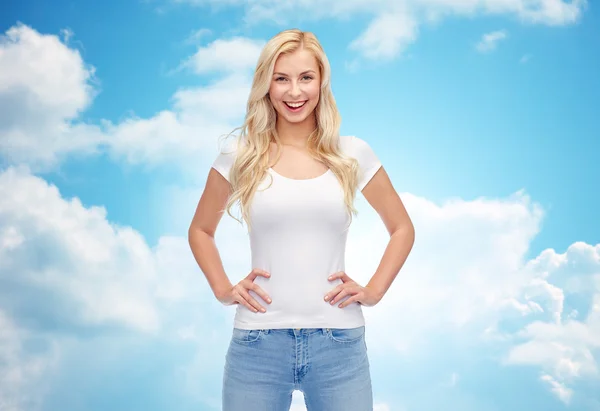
pixel 241 336
pixel 346 335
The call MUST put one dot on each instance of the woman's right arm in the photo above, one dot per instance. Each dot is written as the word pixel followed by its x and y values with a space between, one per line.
pixel 201 233
pixel 201 236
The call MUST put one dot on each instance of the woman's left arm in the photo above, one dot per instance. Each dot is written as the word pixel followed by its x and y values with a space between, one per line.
pixel 382 196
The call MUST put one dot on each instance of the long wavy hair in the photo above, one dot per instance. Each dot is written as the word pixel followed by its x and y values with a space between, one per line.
pixel 251 162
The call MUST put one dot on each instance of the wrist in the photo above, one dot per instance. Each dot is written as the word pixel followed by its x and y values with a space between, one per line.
pixel 378 292
pixel 221 292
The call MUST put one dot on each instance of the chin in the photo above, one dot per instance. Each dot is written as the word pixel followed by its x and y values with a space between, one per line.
pixel 296 119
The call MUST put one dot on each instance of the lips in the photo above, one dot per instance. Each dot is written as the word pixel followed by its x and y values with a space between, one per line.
pixel 295 105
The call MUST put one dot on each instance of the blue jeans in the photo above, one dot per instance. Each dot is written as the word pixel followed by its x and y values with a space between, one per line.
pixel 330 366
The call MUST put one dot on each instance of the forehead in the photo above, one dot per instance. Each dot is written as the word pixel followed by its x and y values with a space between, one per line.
pixel 296 62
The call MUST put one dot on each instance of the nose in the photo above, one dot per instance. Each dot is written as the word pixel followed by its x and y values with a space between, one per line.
pixel 295 90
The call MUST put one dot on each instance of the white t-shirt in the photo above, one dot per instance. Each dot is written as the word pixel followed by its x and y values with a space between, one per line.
pixel 299 232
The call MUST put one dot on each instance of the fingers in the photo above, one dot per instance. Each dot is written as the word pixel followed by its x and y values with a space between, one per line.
pixel 337 296
pixel 239 299
pixel 343 289
pixel 243 287
pixel 248 301
pixel 334 292
pixel 262 294
pixel 354 299
pixel 257 272
pixel 341 275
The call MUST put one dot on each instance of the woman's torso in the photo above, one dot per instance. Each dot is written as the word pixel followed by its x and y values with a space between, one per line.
pixel 299 233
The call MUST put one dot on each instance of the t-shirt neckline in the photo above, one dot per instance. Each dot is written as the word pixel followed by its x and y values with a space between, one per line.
pixel 272 170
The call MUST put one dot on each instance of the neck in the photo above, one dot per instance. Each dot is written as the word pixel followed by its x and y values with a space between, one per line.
pixel 295 134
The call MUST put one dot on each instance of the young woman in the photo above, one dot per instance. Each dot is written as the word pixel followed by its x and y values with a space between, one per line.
pixel 299 323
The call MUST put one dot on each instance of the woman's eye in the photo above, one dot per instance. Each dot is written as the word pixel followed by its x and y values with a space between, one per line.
pixel 280 78
pixel 307 77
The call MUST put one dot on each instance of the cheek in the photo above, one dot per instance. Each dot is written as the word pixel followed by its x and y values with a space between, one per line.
pixel 313 92
pixel 276 93
pixel 314 96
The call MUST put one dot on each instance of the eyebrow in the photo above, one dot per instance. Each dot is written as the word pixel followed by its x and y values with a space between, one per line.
pixel 304 72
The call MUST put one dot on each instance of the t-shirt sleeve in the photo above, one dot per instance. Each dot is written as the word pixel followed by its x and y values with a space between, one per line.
pixel 367 160
pixel 225 159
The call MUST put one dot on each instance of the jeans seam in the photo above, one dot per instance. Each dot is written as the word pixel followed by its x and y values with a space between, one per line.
pixel 354 340
pixel 246 342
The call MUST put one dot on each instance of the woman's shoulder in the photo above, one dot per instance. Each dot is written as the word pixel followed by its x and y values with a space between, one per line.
pixel 229 146
pixel 353 146
pixel 228 150
pixel 368 161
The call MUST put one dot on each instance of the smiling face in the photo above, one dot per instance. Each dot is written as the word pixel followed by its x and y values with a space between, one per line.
pixel 295 86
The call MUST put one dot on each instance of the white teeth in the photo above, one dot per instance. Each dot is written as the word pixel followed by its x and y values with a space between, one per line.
pixel 295 105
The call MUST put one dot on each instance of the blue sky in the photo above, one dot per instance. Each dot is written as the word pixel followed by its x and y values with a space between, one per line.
pixel 484 115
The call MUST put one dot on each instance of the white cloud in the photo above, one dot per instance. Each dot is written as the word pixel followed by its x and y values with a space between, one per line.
pixel 66 272
pixel 215 3
pixel 187 133
pixel 299 405
pixel 45 85
pixel 564 348
pixel 225 99
pixel 489 41
pixel 199 115
pixel 525 58
pixel 21 383
pixel 297 402
pixel 387 36
pixel 57 83
pixel 197 35
pixel 223 56
pixel 73 254
pixel 394 25
pixel 558 388
pixel 549 12
pixel 467 254
pixel 467 275
pixel 65 263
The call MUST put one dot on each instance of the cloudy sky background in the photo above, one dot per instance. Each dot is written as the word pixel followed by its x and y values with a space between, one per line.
pixel 484 113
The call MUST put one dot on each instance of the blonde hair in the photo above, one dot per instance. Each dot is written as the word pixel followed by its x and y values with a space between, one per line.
pixel 258 130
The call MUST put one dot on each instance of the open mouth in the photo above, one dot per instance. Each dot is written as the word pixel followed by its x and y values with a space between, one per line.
pixel 295 106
